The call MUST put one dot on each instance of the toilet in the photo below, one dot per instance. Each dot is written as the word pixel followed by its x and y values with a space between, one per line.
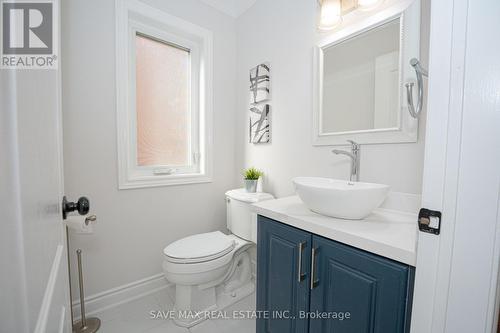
pixel 213 270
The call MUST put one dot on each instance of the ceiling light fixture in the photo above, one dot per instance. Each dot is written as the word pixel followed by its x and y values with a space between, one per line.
pixel 330 14
pixel 331 11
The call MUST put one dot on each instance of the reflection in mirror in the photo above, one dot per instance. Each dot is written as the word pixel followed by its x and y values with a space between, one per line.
pixel 361 81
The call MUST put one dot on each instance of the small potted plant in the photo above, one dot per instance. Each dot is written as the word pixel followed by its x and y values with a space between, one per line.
pixel 252 175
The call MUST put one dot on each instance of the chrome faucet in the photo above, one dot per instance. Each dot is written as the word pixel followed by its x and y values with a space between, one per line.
pixel 354 155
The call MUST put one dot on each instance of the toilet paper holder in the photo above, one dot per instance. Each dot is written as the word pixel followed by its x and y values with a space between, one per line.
pixel 82 206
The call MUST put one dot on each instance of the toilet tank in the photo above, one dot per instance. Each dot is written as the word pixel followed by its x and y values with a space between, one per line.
pixel 241 221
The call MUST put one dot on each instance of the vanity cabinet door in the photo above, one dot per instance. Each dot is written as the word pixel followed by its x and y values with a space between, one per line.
pixel 375 291
pixel 282 276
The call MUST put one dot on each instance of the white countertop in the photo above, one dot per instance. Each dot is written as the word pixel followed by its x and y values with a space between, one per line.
pixel 388 233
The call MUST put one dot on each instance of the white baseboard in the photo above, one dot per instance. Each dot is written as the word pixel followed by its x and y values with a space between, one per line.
pixel 119 295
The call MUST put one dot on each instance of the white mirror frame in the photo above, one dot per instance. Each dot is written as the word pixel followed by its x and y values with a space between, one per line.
pixel 407 130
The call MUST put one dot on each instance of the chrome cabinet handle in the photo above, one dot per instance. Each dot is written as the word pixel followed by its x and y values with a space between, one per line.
pixel 314 281
pixel 301 276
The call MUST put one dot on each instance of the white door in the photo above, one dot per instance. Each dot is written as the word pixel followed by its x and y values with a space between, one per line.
pixel 34 279
pixel 457 271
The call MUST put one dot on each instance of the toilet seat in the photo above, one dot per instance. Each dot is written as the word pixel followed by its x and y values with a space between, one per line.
pixel 199 248
pixel 185 267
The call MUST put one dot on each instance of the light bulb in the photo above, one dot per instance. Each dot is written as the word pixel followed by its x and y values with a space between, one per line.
pixel 330 15
pixel 368 4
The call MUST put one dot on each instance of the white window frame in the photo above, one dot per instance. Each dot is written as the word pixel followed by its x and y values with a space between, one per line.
pixel 133 18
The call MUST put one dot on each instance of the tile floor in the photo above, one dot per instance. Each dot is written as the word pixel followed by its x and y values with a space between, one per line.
pixel 134 317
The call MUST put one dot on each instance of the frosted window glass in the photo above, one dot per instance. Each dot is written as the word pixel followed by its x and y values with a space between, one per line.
pixel 162 103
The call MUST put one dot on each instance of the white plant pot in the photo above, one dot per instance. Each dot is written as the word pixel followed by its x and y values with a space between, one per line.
pixel 251 185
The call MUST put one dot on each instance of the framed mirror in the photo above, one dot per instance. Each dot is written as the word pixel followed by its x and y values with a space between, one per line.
pixel 360 73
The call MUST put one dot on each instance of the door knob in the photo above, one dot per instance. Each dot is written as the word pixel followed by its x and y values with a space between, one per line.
pixel 82 206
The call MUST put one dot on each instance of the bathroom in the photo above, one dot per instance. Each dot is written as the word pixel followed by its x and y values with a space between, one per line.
pixel 337 183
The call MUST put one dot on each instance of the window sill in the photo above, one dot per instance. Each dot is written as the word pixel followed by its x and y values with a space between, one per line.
pixel 165 180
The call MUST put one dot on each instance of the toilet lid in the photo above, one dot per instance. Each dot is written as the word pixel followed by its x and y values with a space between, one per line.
pixel 200 247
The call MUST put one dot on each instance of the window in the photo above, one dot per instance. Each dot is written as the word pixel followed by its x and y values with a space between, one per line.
pixel 162 103
pixel 163 98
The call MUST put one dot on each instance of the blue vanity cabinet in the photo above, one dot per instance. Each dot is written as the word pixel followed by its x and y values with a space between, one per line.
pixel 375 291
pixel 372 289
pixel 282 284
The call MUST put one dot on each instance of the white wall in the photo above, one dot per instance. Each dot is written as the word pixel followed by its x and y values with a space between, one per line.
pixel 135 225
pixel 284 33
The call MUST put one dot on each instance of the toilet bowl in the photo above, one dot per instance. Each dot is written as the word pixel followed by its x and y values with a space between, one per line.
pixel 188 262
pixel 212 270
pixel 207 280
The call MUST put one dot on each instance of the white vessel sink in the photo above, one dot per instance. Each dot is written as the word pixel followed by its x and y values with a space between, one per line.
pixel 339 198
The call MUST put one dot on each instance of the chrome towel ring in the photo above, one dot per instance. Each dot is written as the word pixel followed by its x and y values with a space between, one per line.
pixel 415 111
